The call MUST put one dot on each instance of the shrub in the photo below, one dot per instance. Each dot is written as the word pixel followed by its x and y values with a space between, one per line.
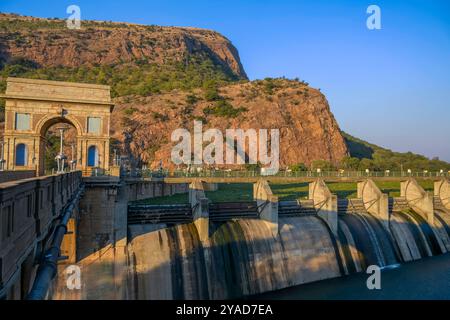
pixel 129 111
pixel 212 94
pixel 191 99
pixel 159 116
pixel 253 166
pixel 223 108
pixel 324 165
pixel 350 163
pixel 299 167
pixel 141 78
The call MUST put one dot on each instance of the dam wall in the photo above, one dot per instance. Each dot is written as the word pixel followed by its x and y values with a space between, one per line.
pixel 9 175
pixel 29 210
pixel 231 256
pixel 101 236
pixel 245 257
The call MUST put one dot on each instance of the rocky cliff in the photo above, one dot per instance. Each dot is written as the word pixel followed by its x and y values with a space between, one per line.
pixel 49 43
pixel 308 130
pixel 164 78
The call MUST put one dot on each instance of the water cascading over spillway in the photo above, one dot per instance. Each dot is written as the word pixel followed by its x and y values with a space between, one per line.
pixel 242 256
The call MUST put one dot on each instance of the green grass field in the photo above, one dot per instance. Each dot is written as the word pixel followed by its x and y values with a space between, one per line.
pixel 392 188
pixel 175 199
pixel 285 191
pixel 231 192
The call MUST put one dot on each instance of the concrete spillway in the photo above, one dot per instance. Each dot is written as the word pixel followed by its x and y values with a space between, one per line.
pixel 229 250
pixel 242 256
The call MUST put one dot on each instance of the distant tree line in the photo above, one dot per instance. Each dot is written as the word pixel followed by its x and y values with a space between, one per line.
pixel 365 156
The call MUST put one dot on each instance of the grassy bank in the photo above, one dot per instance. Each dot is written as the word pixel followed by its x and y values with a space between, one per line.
pixel 285 191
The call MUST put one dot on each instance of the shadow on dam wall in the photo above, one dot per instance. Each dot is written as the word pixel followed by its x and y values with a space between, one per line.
pixel 239 257
pixel 242 257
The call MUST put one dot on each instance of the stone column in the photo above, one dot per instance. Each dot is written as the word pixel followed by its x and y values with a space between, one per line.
pixel 200 210
pixel 267 204
pixel 418 199
pixel 325 203
pixel 375 202
pixel 442 191
pixel 210 186
pixel 422 202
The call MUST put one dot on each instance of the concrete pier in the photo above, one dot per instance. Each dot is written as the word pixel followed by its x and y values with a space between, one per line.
pixel 210 186
pixel 200 213
pixel 375 202
pixel 418 199
pixel 267 204
pixel 442 191
pixel 422 202
pixel 325 203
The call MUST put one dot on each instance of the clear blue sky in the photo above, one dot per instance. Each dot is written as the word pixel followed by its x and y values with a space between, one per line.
pixel 389 86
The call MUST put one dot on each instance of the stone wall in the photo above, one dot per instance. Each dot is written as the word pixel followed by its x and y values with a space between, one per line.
pixel 102 235
pixel 6 176
pixel 28 207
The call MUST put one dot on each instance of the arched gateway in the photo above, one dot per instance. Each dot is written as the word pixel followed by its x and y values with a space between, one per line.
pixel 32 106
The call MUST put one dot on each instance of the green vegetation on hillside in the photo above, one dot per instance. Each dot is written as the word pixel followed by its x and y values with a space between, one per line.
pixel 17 23
pixel 223 108
pixel 364 155
pixel 141 78
pixel 220 107
pixel 31 24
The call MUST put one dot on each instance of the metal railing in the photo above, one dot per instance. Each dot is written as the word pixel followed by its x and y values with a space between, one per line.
pixel 287 174
pixel 147 173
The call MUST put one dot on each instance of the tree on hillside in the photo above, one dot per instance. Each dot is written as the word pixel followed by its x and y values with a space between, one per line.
pixel 349 163
pixel 299 167
pixel 323 165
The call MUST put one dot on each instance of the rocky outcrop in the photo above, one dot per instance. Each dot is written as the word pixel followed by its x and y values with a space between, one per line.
pixel 142 124
pixel 49 43
pixel 308 129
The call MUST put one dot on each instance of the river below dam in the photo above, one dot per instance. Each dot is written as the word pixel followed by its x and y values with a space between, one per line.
pixel 425 279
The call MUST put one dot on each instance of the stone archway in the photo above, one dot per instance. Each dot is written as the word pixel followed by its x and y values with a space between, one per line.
pixel 33 106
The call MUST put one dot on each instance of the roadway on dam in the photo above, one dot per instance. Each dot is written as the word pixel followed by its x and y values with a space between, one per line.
pixel 425 279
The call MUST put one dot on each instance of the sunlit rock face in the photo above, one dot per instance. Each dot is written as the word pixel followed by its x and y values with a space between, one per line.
pixel 242 257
